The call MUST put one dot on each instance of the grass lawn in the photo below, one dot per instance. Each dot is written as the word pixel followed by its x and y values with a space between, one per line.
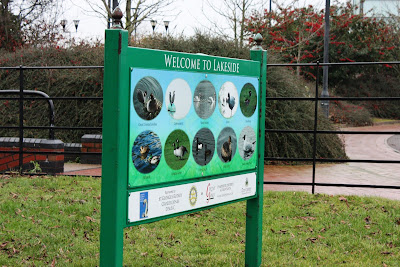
pixel 381 120
pixel 55 221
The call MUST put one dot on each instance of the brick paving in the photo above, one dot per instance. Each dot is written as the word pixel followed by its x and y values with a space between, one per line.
pixel 357 147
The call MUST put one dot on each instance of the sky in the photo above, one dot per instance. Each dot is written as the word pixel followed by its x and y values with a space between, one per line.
pixel 185 16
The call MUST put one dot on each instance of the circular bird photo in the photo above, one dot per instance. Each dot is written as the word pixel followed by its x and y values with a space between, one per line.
pixel 226 144
pixel 248 100
pixel 148 98
pixel 204 99
pixel 177 149
pixel 228 100
pixel 146 152
pixel 177 94
pixel 203 146
pixel 247 143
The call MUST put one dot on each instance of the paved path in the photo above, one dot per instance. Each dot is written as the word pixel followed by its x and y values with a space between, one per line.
pixel 82 169
pixel 357 147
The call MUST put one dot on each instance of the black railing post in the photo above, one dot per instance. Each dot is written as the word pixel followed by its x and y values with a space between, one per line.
pixel 21 118
pixel 315 129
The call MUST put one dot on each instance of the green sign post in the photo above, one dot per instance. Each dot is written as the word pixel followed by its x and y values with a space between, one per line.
pixel 181 133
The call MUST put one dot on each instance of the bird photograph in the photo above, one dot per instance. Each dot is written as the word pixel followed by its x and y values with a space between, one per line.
pixel 204 99
pixel 247 143
pixel 179 151
pixel 179 99
pixel 147 98
pixel 226 144
pixel 226 150
pixel 176 149
pixel 248 100
pixel 146 151
pixel 171 106
pixel 228 100
pixel 203 146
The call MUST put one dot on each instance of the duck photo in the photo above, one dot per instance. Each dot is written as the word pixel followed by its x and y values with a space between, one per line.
pixel 176 149
pixel 146 152
pixel 248 100
pixel 228 100
pixel 226 144
pixel 226 150
pixel 147 98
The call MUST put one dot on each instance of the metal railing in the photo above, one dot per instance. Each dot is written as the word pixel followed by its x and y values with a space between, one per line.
pixel 42 96
pixel 315 131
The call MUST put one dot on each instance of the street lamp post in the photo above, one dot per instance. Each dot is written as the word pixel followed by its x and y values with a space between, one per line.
pixel 76 23
pixel 63 24
pixel 325 92
pixel 166 24
pixel 153 24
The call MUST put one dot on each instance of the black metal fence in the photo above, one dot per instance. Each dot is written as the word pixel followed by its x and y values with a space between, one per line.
pixel 317 99
pixel 24 95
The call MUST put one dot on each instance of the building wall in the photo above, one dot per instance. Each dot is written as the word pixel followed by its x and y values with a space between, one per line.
pixel 377 8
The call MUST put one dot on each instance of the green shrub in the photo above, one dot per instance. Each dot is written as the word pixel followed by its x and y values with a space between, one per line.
pixel 298 115
pixel 55 83
pixel 376 81
pixel 348 113
pixel 279 115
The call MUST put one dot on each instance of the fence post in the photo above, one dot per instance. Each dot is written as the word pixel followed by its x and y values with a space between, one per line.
pixel 115 154
pixel 254 207
pixel 315 129
pixel 21 119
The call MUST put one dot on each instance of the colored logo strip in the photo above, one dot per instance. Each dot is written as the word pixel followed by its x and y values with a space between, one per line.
pixel 149 204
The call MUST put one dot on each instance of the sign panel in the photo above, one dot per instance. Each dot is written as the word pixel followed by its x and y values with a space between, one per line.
pixel 172 123
pixel 186 125
pixel 144 205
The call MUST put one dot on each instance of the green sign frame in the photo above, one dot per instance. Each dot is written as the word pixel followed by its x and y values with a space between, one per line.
pixel 122 65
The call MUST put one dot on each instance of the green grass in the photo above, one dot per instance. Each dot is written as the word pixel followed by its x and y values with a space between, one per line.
pixel 45 220
pixel 381 120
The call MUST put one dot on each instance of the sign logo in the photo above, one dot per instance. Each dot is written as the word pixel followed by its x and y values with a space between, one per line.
pixel 144 205
pixel 209 194
pixel 193 196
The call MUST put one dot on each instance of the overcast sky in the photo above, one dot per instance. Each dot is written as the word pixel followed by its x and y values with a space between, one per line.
pixel 190 15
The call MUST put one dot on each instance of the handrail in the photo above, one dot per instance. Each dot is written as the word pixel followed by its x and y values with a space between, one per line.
pixel 49 101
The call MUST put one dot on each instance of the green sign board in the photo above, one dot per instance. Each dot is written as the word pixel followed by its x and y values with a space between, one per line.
pixel 181 133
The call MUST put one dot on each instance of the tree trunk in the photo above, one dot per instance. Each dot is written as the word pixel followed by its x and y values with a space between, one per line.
pixel 129 26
